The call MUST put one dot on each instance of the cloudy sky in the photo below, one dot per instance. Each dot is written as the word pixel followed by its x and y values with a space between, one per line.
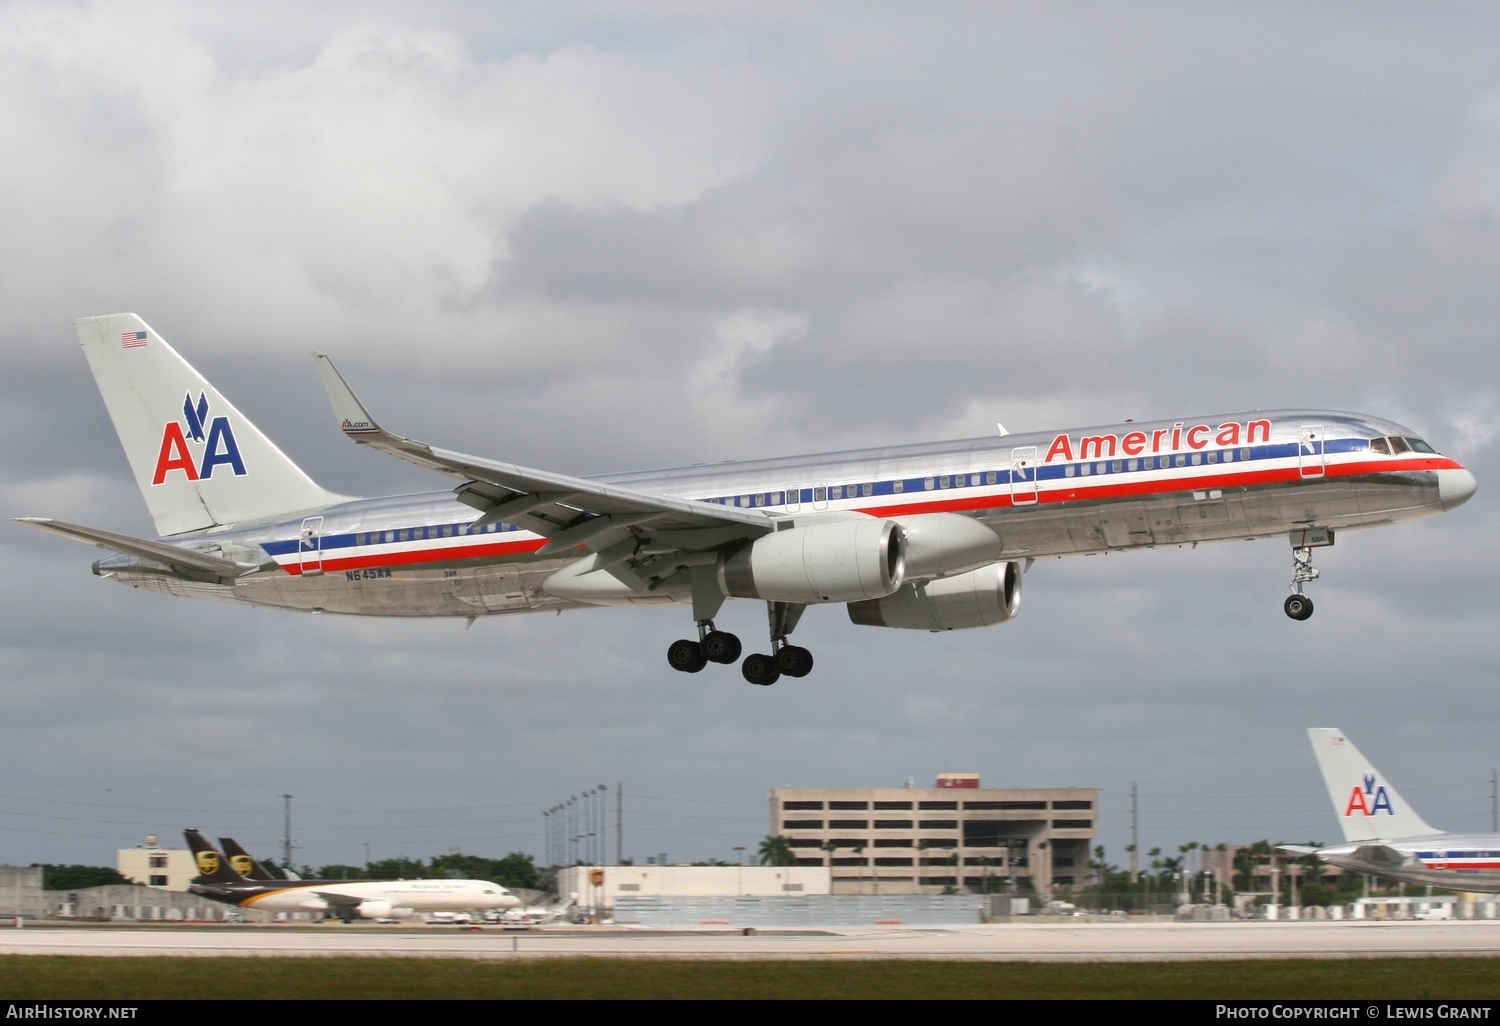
pixel 594 237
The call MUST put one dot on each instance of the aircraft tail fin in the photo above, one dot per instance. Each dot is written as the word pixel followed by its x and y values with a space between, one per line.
pixel 197 460
pixel 242 862
pixel 212 867
pixel 1367 807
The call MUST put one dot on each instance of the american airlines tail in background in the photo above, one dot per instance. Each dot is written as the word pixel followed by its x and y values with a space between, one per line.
pixel 1384 836
pixel 931 536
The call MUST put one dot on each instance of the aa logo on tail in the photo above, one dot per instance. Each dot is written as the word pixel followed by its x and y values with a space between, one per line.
pixel 208 862
pixel 215 437
pixel 1368 799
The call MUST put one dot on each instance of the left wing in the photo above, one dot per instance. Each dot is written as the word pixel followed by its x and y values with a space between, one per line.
pixel 338 901
pixel 567 511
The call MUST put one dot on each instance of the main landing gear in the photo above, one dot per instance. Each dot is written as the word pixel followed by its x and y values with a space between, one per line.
pixel 712 646
pixel 716 646
pixel 1298 606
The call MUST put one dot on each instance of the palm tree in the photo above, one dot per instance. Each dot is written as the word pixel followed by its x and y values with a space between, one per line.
pixel 777 851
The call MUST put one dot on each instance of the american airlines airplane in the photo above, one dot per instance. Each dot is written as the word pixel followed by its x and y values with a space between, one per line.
pixel 928 537
pixel 1383 836
pixel 219 880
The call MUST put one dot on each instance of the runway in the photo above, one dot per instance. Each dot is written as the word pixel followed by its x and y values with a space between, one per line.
pixel 1078 942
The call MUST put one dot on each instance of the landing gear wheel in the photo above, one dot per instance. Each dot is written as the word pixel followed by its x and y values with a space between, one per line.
pixel 1298 607
pixel 721 647
pixel 686 656
pixel 760 669
pixel 794 661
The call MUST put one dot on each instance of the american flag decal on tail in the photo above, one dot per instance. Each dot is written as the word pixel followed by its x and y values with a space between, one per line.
pixel 132 339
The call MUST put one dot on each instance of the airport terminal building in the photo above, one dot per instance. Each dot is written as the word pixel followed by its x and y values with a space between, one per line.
pixel 955 836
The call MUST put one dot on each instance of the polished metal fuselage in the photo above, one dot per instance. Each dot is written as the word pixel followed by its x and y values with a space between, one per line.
pixel 414 555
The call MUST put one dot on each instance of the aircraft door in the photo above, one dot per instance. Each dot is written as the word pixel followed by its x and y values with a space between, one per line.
pixel 310 546
pixel 1023 475
pixel 1310 450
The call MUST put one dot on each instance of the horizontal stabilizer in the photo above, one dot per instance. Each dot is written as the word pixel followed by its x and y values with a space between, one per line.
pixel 158 552
pixel 1299 849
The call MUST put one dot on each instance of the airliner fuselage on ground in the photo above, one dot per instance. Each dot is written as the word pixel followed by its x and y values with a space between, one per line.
pixel 221 881
pixel 1384 836
pixel 930 537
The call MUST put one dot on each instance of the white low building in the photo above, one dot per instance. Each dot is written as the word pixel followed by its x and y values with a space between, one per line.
pixel 690 882
pixel 169 869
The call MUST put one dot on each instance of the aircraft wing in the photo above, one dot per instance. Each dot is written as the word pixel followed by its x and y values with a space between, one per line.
pixel 1383 856
pixel 187 562
pixel 337 901
pixel 568 511
pixel 1299 849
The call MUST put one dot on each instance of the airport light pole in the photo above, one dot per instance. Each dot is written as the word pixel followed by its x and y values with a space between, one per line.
pixel 286 827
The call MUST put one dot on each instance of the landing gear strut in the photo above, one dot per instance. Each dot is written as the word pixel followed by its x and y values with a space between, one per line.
pixel 785 658
pixel 1298 606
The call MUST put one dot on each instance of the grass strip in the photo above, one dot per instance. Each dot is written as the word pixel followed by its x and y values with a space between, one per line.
pixel 31 977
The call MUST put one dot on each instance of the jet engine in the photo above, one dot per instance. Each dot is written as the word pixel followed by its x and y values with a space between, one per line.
pixel 980 598
pixel 843 561
pixel 373 908
pixel 938 544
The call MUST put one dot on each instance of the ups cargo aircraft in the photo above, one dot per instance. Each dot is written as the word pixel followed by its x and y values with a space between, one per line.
pixel 920 537
pixel 1384 836
pixel 220 880
pixel 242 863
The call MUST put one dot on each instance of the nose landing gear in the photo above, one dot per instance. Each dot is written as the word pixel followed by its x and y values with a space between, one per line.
pixel 1298 607
pixel 1304 539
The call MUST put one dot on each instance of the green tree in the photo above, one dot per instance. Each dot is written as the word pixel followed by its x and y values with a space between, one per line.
pixel 73 878
pixel 401 868
pixel 515 870
pixel 777 851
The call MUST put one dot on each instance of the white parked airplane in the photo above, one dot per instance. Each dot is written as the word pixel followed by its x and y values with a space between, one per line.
pixel 1383 836
pixel 346 899
pixel 926 537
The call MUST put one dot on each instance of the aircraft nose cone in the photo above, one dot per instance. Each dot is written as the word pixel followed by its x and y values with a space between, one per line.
pixel 1455 487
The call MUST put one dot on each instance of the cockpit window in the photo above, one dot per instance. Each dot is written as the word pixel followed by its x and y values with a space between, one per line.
pixel 1381 446
pixel 1398 446
pixel 1418 445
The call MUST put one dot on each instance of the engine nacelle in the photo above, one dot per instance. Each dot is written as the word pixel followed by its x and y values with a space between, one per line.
pixel 980 598
pixel 946 543
pixel 841 561
pixel 374 908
